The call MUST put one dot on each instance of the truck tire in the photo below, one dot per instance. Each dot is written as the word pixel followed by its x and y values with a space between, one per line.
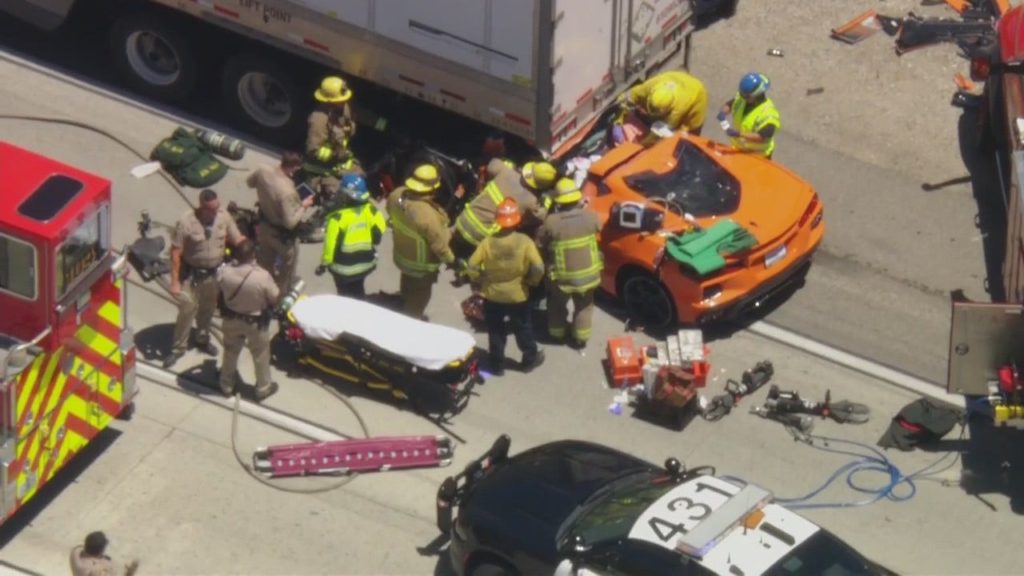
pixel 262 97
pixel 153 56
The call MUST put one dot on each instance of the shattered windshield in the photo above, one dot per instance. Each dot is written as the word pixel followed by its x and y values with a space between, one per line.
pixel 697 184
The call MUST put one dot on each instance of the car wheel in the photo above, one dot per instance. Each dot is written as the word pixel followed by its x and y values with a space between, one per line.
pixel 487 569
pixel 154 57
pixel 261 96
pixel 648 302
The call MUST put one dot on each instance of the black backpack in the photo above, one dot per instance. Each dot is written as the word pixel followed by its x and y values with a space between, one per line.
pixel 922 421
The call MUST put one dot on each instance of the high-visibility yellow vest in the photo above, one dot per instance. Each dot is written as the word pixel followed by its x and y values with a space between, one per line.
pixel 753 120
pixel 359 229
pixel 471 223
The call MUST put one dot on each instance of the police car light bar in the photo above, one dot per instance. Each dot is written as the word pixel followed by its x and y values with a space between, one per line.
pixel 705 535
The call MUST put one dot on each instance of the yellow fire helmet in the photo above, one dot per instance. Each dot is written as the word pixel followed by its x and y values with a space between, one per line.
pixel 424 179
pixel 662 98
pixel 567 192
pixel 540 175
pixel 333 90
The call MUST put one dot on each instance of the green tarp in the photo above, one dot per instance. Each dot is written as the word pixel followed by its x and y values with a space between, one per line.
pixel 704 250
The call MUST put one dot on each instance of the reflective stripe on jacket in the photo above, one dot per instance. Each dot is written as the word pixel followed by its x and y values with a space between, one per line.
pixel 569 239
pixel 506 266
pixel 324 141
pixel 351 238
pixel 754 120
pixel 476 221
pixel 421 234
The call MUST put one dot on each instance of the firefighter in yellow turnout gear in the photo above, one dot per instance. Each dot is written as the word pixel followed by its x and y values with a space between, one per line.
pixel 674 97
pixel 477 220
pixel 506 265
pixel 330 127
pixel 351 239
pixel 421 238
pixel 568 239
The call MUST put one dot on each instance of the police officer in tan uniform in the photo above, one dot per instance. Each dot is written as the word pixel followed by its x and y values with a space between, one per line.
pixel 248 295
pixel 281 211
pixel 197 249
pixel 91 559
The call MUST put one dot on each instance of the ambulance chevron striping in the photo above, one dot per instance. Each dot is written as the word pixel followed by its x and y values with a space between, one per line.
pixel 41 433
pixel 63 436
pixel 28 380
pixel 111 312
pixel 34 411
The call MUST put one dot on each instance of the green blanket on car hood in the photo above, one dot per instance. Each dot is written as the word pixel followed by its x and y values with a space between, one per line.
pixel 704 250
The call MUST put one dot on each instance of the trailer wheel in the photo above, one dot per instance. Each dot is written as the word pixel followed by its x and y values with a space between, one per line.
pixel 262 97
pixel 153 57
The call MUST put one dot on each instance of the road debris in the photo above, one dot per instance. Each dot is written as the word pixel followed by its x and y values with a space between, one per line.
pixel 775 52
pixel 859 28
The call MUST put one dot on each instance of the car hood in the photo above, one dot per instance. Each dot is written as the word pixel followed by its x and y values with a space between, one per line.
pixel 772 198
pixel 527 499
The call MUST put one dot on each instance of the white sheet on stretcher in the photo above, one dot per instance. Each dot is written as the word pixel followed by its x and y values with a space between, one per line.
pixel 430 346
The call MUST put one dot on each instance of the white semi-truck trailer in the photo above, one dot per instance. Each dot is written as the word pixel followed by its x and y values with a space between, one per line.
pixel 537 69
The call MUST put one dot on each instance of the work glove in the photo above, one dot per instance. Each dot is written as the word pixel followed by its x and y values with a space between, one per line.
pixel 320 270
pixel 732 132
pixel 722 116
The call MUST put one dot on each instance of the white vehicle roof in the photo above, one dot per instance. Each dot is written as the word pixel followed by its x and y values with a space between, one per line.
pixel 704 518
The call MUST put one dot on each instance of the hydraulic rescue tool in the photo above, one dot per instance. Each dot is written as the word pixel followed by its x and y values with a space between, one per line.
pixel 751 381
pixel 360 455
pixel 787 407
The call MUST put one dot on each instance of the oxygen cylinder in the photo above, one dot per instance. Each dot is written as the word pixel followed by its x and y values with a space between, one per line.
pixel 221 144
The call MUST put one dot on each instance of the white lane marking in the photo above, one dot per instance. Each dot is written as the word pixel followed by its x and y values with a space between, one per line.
pixel 277 419
pixel 856 363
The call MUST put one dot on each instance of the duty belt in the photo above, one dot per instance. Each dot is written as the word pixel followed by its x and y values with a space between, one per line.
pixel 230 314
pixel 195 275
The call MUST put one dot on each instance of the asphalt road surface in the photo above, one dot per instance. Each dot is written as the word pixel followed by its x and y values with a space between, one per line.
pixel 166 488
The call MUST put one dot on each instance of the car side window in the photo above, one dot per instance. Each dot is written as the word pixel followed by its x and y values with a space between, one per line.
pixel 635 558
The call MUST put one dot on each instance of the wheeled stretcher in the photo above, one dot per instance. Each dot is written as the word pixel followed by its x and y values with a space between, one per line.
pixel 431 366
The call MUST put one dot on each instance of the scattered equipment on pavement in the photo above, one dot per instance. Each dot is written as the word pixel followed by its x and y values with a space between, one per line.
pixel 788 407
pixel 670 374
pixel 357 455
pixel 430 365
pixel 751 381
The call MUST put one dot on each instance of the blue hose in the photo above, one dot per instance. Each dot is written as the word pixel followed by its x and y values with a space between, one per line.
pixel 872 461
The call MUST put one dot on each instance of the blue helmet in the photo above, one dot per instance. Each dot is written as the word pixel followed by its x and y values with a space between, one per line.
pixel 354 186
pixel 754 84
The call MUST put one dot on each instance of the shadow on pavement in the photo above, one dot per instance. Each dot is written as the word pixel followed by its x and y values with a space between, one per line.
pixel 154 342
pixel 990 220
pixel 993 463
pixel 52 490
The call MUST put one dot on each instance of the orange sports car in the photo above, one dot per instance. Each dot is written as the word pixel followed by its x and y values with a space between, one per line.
pixel 695 231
